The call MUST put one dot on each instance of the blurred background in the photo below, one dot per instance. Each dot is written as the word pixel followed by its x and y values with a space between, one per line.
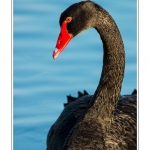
pixel 40 84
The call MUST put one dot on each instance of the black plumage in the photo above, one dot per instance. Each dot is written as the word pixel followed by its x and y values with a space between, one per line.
pixel 105 120
pixel 72 99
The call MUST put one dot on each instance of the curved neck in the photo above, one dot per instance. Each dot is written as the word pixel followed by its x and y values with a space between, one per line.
pixel 101 108
pixel 107 93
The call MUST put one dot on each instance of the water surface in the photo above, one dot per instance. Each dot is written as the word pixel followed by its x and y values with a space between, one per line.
pixel 40 83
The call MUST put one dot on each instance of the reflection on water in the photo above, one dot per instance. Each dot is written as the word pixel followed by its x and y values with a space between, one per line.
pixel 40 83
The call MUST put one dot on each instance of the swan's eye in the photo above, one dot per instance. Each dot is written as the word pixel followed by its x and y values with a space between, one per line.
pixel 68 19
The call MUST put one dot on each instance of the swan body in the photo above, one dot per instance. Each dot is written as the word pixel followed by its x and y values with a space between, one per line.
pixel 105 120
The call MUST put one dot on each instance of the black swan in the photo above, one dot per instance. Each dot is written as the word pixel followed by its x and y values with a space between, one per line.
pixel 105 120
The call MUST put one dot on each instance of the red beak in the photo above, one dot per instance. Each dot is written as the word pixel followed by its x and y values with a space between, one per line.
pixel 63 39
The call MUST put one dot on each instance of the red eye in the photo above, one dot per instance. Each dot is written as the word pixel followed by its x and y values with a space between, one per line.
pixel 68 19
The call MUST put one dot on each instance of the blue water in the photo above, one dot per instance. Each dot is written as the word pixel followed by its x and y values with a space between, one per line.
pixel 40 83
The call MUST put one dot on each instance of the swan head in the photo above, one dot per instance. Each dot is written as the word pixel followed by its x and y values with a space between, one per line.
pixel 75 19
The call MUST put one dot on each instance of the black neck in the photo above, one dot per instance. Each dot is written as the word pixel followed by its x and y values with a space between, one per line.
pixel 106 96
pixel 107 93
